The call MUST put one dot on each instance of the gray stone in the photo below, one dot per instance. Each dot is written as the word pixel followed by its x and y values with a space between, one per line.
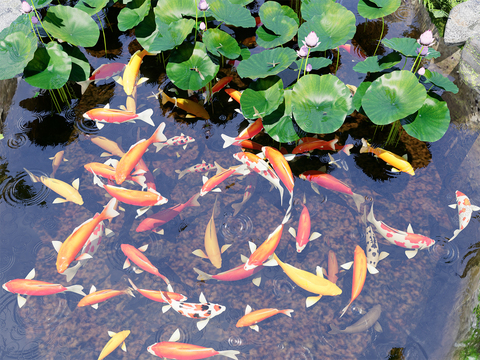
pixel 463 23
pixel 9 11
pixel 470 63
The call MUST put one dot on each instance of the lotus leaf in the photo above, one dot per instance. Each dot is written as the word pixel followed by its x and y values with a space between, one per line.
pixel 441 81
pixel 320 103
pixel 71 25
pixel 268 62
pixel 80 66
pixel 280 125
pixel 408 47
pixel 190 68
pixel 91 7
pixel 262 97
pixel 317 63
pixel 241 2
pixel 392 97
pixel 357 98
pixel 133 14
pixel 219 42
pixel 169 11
pixel 16 50
pixel 280 24
pixel 39 3
pixel 231 14
pixel 377 63
pixel 370 10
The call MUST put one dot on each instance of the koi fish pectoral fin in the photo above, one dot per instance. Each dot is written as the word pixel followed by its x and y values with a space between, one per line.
pixel 257 281
pixel 200 253
pixel 411 253
pixel 21 300
pixel 59 201
pixel 453 206
pixel 378 327
pixel 165 308
pixel 312 300
pixel 475 208
pixel 347 266
pixel 255 327
pixel 201 324
pixel 372 269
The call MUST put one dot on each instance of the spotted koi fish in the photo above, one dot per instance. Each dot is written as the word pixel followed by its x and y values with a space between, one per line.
pixel 465 209
pixel 373 253
pixel 175 141
pixel 199 168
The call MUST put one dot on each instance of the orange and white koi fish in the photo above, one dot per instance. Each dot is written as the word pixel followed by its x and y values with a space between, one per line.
pixel 249 144
pixel 210 184
pixel 354 50
pixel 135 153
pixel 157 296
pixel 28 286
pixel 359 274
pixel 103 72
pixel 234 94
pixel 465 209
pixel 398 162
pixel 202 167
pixel 249 132
pixel 203 310
pixel 95 297
pixel 280 165
pixel 106 115
pixel 108 172
pixel 69 192
pixel 318 144
pixel 249 190
pixel 332 264
pixel 182 140
pixel 189 106
pixel 181 351
pixel 251 319
pixel 221 84
pixel 136 256
pixel 117 339
pixel 68 250
pixel 160 218
pixel 130 75
pixel 304 225
pixel 373 253
pixel 56 161
pixel 408 240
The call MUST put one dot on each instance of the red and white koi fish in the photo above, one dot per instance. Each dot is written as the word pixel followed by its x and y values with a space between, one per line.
pixel 95 297
pixel 157 296
pixel 108 172
pixel 56 161
pixel 249 190
pixel 210 184
pixel 135 153
pixel 465 209
pixel 251 319
pixel 182 140
pixel 373 253
pixel 181 351
pixel 304 225
pixel 399 163
pixel 189 106
pixel 199 168
pixel 407 240
pixel 203 310
pixel 117 339
pixel 69 249
pixel 160 218
pixel 329 182
pixel 106 115
pixel 359 274
pixel 28 286
pixel 103 72
pixel 136 256
pixel 318 144
pixel 249 132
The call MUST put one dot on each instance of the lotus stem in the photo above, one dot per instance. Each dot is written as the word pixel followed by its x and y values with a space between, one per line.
pixel 381 36
pixel 103 33
pixel 306 62
pixel 33 28
pixel 40 20
pixel 106 19
pixel 338 58
pixel 205 17
pixel 300 70
pixel 55 102
pixel 418 56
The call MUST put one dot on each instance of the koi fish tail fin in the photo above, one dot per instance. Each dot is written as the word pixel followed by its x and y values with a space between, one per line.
pixel 365 146
pixel 193 201
pixel 158 135
pixel 237 207
pixel 181 173
pixel 332 144
pixel 84 85
pixel 335 329
pixel 202 275
pixel 71 271
pixel 346 149
pixel 77 289
pixel 33 177
pixel 286 217
pixel 287 312
pixel 228 140
pixel 229 353
pixel 371 217
pixel 129 291
pixel 358 199
pixel 109 212
pixel 140 180
pixel 455 233
pixel 97 181
pixel 345 309
pixel 133 285
pixel 159 146
pixel 146 116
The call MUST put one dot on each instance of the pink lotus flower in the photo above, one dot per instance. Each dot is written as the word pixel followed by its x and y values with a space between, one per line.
pixel 309 67
pixel 303 52
pixel 423 51
pixel 311 40
pixel 34 20
pixel 426 39
pixel 421 71
pixel 203 5
pixel 26 8
pixel 202 26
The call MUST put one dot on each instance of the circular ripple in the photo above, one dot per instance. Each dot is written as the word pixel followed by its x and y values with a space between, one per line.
pixel 236 227
pixel 86 126
pixel 9 223
pixel 17 141
pixel 208 131
pixel 402 13
pixel 282 288
pixel 7 259
pixel 44 312
pixel 235 341
pixel 44 252
pixel 115 254
pixel 18 191
pixel 445 253
pixel 166 332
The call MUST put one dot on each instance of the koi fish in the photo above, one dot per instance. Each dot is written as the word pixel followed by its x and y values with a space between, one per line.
pixel 212 250
pixel 175 141
pixel 28 286
pixel 80 235
pixel 234 94
pixel 95 297
pixel 465 209
pixel 203 167
pixel 157 295
pixel 280 165
pixel 203 310
pixel 332 264
pixel 373 253
pixel 217 87
pixel 407 240
pixel 249 144
pixel 365 323
pixel 251 319
pixel 303 236
pixel 108 145
pixel 130 75
pixel 235 274
pixel 182 351
pixel 69 192
pixel 354 50
pixel 135 153
pixel 103 72
pixel 399 163
pixel 162 217
pixel 316 284
pixel 56 161
pixel 189 106
pixel 136 256
pixel 315 145
pixel 210 184
pixel 249 190
pixel 106 115
pixel 249 132
pixel 108 172
pixel 117 339
pixel 359 274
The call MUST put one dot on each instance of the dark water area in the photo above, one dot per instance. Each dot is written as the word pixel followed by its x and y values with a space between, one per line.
pixel 415 294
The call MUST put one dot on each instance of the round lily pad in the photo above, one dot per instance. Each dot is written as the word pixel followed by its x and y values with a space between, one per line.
pixel 357 98
pixel 392 97
pixel 266 63
pixel 320 103
pixel 231 14
pixel 377 63
pixel 16 50
pixel 370 10
pixel 441 81
pixel 80 66
pixel 241 2
pixel 91 7
pixel 219 42
pixel 133 14
pixel 280 124
pixel 262 97
pixel 317 63
pixel 280 24
pixel 174 10
pixel 408 47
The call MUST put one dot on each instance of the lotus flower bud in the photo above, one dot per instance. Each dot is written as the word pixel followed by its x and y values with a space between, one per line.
pixel 26 8
pixel 303 52
pixel 426 39
pixel 311 40
pixel 421 71
pixel 202 26
pixel 422 51
pixel 309 67
pixel 203 5
pixel 34 20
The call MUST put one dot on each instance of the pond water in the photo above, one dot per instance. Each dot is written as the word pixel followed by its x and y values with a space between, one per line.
pixel 415 294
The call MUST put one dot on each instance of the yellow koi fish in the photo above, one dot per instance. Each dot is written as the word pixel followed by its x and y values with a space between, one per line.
pixel 189 106
pixel 399 163
pixel 129 79
pixel 116 340
pixel 56 161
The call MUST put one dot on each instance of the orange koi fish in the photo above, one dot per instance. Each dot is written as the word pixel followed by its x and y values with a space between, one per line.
pixel 28 286
pixel 235 274
pixel 103 72
pixel 280 165
pixel 249 132
pixel 315 145
pixel 136 256
pixel 77 239
pixel 251 319
pixel 189 106
pixel 359 274
pixel 249 190
pixel 354 50
pixel 209 184
pixel 69 192
pixel 221 84
pixel 332 267
pixel 95 297
pixel 135 153
pixel 56 161
pixel 304 225
pixel 108 172
pixel 106 115
pixel 399 163
pixel 157 295
pixel 234 94
pixel 116 340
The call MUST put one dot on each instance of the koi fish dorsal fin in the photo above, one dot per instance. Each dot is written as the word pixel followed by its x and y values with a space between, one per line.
pixel 30 275
pixel 410 229
pixel 292 231
pixel 202 299
pixel 111 333
pixel 175 336
pixel 57 245
pixel 411 253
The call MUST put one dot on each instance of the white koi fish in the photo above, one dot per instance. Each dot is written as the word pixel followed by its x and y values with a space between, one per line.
pixel 373 253
pixel 465 209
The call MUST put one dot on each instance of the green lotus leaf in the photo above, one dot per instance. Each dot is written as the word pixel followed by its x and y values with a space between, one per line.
pixel 167 11
pixel 241 2
pixel 91 7
pixel 280 24
pixel 262 97
pixel 133 14
pixel 334 27
pixel 39 3
pixel 244 54
pixel 357 98
pixel 16 50
pixel 320 103
pixel 392 97
pixel 80 66
pixel 50 67
pixel 266 63
pixel 219 42
pixel 430 122
pixel 441 81
pixel 369 10
pixel 71 25
pixel 408 47
pixel 280 125
pixel 190 68
pixel 317 63
pixel 377 63
pixel 381 3
pixel 231 14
